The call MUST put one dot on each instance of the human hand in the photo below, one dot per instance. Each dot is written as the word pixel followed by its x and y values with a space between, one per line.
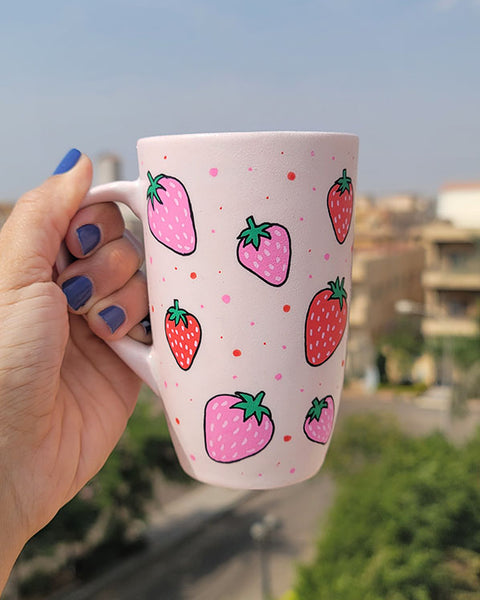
pixel 65 397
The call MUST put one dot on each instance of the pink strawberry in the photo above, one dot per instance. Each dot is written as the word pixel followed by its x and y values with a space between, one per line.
pixel 326 322
pixel 170 215
pixel 236 427
pixel 318 424
pixel 340 206
pixel 265 251
pixel 183 335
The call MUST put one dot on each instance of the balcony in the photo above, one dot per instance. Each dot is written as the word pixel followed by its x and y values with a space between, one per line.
pixel 452 279
pixel 449 326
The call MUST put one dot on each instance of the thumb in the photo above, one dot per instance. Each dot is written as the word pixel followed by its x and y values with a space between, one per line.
pixel 30 239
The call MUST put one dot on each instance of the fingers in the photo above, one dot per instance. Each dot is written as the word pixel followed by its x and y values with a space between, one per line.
pixel 106 286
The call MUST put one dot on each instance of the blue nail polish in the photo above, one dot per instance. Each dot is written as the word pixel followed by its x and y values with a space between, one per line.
pixel 88 236
pixel 113 316
pixel 68 161
pixel 147 326
pixel 78 291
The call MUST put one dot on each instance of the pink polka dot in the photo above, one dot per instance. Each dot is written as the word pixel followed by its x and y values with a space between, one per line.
pixel 213 171
pixel 326 256
pixel 284 347
pixel 250 169
pixel 151 259
pixel 312 153
pixel 278 376
pixel 165 384
pixel 314 189
pixel 226 298
pixel 235 377
pixel 192 456
pixel 292 471
pixel 333 158
pixel 252 323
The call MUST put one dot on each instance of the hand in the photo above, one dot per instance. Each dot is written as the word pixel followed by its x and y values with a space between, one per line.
pixel 65 397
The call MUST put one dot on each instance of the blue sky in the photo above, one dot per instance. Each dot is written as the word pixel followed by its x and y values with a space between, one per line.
pixel 98 74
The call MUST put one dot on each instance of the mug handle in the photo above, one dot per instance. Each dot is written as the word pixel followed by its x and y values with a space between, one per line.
pixel 136 355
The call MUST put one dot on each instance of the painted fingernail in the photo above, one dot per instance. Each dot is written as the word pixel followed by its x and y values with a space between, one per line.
pixel 89 236
pixel 68 161
pixel 113 316
pixel 147 326
pixel 78 291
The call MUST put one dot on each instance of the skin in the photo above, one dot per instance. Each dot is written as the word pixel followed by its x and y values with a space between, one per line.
pixel 65 397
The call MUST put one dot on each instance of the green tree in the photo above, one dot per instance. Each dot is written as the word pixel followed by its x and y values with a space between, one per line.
pixel 405 524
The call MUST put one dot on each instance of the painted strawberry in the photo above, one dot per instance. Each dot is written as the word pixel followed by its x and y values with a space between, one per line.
pixel 340 206
pixel 183 335
pixel 265 251
pixel 326 322
pixel 170 215
pixel 236 427
pixel 318 424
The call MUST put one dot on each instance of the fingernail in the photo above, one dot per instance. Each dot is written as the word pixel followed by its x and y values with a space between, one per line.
pixel 78 291
pixel 88 236
pixel 147 326
pixel 113 316
pixel 68 161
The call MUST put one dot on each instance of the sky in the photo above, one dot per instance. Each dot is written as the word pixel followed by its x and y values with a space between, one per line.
pixel 99 74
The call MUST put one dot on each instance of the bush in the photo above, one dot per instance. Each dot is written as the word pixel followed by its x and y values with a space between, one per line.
pixel 406 520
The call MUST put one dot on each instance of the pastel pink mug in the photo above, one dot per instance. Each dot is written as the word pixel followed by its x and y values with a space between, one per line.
pixel 248 244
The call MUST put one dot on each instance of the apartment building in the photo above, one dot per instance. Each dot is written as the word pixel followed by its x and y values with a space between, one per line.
pixel 451 280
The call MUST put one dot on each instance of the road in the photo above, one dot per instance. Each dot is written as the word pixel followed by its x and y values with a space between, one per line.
pixel 223 563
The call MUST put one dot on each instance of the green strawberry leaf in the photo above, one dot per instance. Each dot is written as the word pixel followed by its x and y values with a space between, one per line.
pixel 254 233
pixel 315 411
pixel 177 314
pixel 344 182
pixel 252 406
pixel 152 192
pixel 338 291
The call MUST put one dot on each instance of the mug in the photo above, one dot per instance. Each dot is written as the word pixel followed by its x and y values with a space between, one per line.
pixel 248 249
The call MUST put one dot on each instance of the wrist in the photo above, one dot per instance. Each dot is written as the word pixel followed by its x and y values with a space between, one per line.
pixel 12 539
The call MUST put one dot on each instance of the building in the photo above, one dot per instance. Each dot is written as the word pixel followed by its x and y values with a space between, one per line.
pixel 459 204
pixel 382 274
pixel 451 280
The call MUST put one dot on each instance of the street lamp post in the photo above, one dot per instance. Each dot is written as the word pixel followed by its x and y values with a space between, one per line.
pixel 261 532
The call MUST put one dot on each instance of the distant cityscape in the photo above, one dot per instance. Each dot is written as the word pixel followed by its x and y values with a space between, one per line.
pixel 415 257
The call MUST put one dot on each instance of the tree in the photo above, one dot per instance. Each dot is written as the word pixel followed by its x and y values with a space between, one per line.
pixel 405 524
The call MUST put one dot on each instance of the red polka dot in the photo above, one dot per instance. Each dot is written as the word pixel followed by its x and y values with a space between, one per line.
pixel 237 352
pixel 291 175
pixel 286 308
pixel 193 275
pixel 287 438
pixel 177 420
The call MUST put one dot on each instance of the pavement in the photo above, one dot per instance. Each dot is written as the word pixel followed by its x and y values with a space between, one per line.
pixel 189 514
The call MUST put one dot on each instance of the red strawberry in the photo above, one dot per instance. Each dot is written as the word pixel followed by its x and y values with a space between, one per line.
pixel 170 215
pixel 264 250
pixel 318 424
pixel 340 206
pixel 236 427
pixel 183 335
pixel 326 322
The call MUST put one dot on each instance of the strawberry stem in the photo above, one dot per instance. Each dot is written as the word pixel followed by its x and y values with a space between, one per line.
pixel 177 314
pixel 252 406
pixel 344 182
pixel 254 233
pixel 338 290
pixel 316 410
pixel 152 192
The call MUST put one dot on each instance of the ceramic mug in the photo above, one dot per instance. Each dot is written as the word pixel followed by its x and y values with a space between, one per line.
pixel 248 244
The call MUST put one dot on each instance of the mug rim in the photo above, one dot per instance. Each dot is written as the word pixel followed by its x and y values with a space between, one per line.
pixel 247 134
